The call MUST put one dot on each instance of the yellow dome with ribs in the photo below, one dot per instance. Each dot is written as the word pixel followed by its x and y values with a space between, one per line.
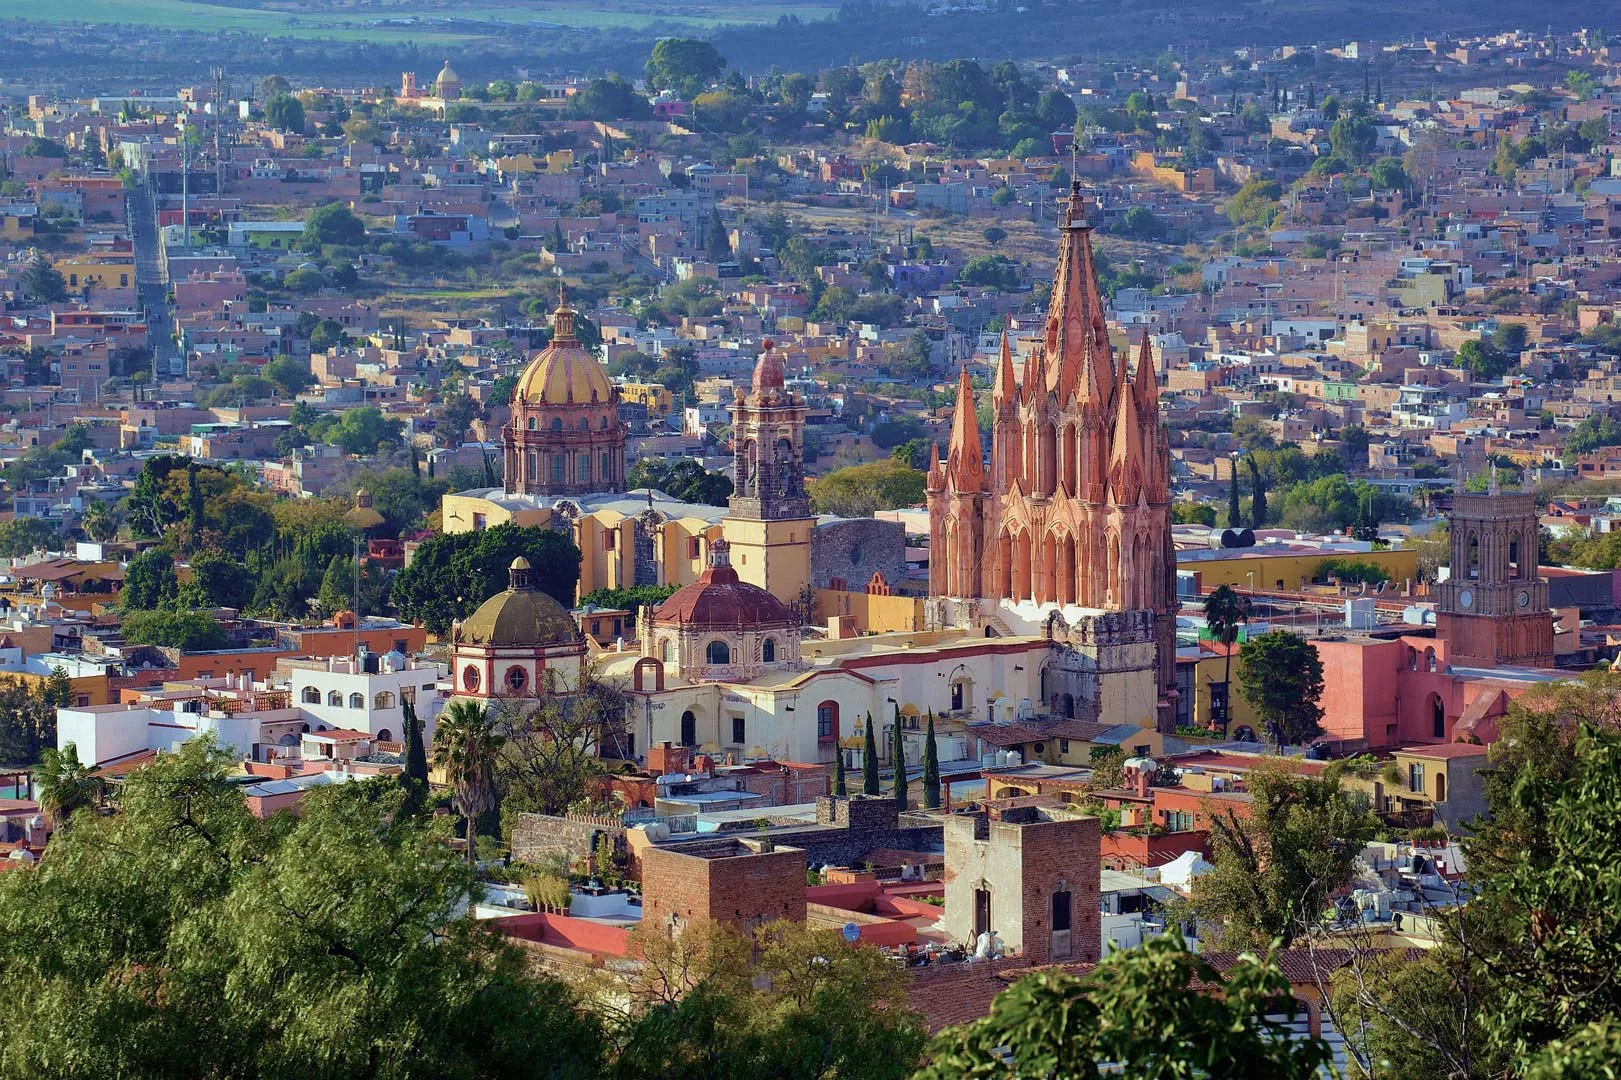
pixel 564 372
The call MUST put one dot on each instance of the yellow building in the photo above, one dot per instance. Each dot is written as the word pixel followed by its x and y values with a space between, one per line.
pixel 1289 569
pixel 97 271
pixel 658 400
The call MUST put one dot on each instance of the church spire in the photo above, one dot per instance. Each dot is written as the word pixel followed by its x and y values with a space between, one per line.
pixel 1006 384
pixel 1126 463
pixel 1077 338
pixel 937 479
pixel 1146 386
pixel 965 456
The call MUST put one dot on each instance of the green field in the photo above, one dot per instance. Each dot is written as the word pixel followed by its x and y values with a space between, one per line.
pixel 414 22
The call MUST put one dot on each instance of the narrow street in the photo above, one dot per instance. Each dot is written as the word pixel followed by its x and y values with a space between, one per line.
pixel 150 278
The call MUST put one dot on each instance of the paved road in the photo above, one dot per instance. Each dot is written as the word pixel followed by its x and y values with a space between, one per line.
pixel 149 275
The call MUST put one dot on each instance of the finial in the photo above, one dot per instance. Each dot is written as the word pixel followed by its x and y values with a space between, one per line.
pixel 1491 484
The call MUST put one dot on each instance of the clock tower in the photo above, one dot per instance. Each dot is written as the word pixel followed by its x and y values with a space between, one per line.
pixel 1493 609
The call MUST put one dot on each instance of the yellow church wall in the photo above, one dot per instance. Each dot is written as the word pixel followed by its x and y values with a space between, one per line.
pixel 774 555
pixel 872 614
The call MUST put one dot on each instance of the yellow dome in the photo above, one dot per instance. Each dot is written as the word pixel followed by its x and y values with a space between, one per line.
pixel 564 372
pixel 521 616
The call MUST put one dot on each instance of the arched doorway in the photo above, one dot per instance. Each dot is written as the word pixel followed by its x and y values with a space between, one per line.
pixel 1440 787
pixel 1438 717
pixel 689 729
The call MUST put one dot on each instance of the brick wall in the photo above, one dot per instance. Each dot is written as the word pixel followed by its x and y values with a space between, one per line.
pixel 740 882
pixel 1021 855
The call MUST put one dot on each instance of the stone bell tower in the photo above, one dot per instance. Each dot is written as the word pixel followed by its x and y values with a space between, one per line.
pixel 770 521
pixel 1493 609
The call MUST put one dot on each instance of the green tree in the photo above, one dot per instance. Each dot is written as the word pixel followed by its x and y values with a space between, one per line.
pixel 1482 360
pixel 22 536
pixel 327 944
pixel 1256 203
pixel 994 235
pixel 189 631
pixel 465 748
pixel 1280 857
pixel 290 374
pixel 65 784
pixel 1388 174
pixel 286 113
pixel 1281 675
pixel 415 777
pixel 840 787
pixel 931 769
pixel 358 431
pixel 897 755
pixel 1225 611
pixel 1142 224
pixel 869 760
pixel 1148 1010
pixel 149 580
pixel 859 490
pixel 43 282
pixel 1257 494
pixel 451 575
pixel 683 64
pixel 332 223
pixel 218 581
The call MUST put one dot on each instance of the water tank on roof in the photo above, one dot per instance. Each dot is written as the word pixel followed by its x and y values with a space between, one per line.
pixel 1014 758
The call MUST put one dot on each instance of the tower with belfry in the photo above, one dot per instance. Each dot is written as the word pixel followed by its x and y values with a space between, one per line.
pixel 1066 530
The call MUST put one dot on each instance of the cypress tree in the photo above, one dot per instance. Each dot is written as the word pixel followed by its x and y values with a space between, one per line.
pixel 869 762
pixel 1232 500
pixel 931 769
pixel 899 754
pixel 415 777
pixel 839 787
pixel 1258 499
pixel 416 463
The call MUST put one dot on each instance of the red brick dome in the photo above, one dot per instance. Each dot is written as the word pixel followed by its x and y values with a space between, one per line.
pixel 718 600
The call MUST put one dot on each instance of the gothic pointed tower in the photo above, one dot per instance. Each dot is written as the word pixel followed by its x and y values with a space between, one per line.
pixel 1073 515
pixel 769 522
pixel 957 495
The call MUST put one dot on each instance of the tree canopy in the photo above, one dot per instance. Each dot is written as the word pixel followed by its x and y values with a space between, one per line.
pixel 451 575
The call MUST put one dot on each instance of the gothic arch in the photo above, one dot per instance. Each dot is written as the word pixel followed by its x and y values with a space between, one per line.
pixel 639 674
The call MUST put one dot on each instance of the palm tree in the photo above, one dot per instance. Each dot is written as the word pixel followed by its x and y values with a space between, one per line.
pixel 465 745
pixel 65 784
pixel 1225 609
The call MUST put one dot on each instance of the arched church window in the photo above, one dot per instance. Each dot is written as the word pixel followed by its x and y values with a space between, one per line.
pixel 470 679
pixel 768 651
pixel 718 652
pixel 530 424
pixel 557 423
pixel 517 679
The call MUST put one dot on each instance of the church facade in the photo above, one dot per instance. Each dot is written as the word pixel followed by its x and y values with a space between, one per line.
pixel 1067 530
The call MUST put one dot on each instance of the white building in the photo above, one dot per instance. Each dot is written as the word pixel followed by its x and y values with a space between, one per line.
pixel 367 693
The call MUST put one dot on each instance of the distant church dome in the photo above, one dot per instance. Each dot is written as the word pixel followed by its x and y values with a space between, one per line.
pixel 520 616
pixel 564 372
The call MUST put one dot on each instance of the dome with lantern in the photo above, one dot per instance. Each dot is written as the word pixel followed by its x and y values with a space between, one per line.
pixel 516 642
pixel 565 436
pixel 721 627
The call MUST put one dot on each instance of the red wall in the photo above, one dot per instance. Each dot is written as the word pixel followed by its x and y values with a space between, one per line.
pixel 567 932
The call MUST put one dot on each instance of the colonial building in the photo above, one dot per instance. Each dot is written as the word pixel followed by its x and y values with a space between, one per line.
pixel 564 468
pixel 1068 531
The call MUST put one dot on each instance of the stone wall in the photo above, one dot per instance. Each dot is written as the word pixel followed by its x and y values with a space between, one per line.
pixel 853 550
pixel 535 834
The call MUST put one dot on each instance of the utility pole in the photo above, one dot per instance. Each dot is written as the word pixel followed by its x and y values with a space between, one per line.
pixel 218 95
pixel 185 187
